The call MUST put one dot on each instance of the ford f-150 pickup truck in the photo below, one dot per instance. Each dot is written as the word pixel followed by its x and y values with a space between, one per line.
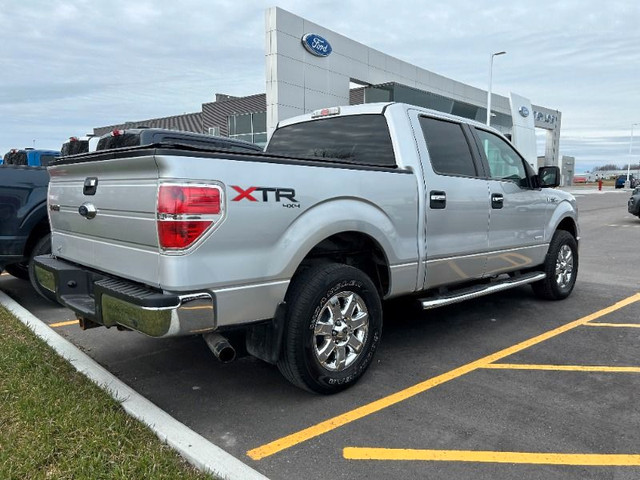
pixel 297 246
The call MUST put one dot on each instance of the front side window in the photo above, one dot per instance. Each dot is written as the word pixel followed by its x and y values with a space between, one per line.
pixel 504 162
pixel 448 148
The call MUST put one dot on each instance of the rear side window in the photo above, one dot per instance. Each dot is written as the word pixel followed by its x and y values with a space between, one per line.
pixel 357 139
pixel 448 148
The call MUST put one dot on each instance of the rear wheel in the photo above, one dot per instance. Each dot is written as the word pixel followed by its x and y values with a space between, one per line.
pixel 561 267
pixel 333 327
pixel 43 247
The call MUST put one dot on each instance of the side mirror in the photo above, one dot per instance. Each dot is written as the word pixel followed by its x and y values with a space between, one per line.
pixel 548 177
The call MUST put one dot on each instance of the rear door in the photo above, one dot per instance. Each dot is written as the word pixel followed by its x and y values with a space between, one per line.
pixel 456 203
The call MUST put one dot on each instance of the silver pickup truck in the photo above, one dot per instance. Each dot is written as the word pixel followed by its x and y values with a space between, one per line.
pixel 296 247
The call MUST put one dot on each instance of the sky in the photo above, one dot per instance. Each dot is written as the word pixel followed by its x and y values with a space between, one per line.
pixel 67 66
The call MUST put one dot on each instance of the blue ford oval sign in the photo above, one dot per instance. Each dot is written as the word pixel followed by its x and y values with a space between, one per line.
pixel 316 45
pixel 524 111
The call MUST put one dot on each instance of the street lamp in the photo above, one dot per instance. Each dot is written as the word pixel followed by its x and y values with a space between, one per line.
pixel 628 183
pixel 489 91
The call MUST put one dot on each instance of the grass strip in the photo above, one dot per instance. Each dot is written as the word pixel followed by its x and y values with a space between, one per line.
pixel 56 424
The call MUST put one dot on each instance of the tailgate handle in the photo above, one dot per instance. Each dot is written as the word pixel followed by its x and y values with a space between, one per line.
pixel 437 200
pixel 90 185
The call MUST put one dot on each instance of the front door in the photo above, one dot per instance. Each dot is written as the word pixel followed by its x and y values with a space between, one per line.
pixel 518 213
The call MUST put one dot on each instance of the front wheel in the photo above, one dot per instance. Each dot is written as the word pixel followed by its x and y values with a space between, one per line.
pixel 561 267
pixel 333 327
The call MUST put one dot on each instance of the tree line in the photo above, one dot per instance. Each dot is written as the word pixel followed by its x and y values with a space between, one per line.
pixel 611 166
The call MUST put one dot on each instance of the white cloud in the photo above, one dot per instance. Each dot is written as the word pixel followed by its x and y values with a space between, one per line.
pixel 68 66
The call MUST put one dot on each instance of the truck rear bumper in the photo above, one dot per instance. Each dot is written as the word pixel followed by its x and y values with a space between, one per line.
pixel 111 301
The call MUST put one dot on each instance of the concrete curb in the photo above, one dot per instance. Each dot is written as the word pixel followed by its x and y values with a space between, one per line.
pixel 196 449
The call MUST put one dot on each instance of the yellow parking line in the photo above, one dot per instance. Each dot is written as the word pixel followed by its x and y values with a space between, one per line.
pixel 621 325
pixel 380 404
pixel 563 368
pixel 63 324
pixel 355 453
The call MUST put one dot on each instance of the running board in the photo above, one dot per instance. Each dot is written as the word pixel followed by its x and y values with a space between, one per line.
pixel 481 290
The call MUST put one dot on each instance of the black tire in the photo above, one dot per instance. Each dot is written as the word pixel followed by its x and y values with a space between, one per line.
pixel 42 247
pixel 561 267
pixel 18 270
pixel 327 352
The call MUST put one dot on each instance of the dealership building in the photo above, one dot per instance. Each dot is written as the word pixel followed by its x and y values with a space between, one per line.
pixel 309 67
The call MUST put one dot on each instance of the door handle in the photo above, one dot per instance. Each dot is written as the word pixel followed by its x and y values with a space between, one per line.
pixel 497 200
pixel 437 199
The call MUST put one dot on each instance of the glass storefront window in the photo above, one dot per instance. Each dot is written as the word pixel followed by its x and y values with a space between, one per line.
pixel 250 127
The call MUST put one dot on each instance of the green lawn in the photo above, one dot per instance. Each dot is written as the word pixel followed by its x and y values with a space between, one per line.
pixel 56 424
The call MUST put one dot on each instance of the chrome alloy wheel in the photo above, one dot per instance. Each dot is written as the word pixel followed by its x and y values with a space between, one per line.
pixel 341 331
pixel 564 266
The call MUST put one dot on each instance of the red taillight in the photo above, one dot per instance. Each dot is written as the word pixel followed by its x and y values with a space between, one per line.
pixel 181 200
pixel 116 133
pixel 185 213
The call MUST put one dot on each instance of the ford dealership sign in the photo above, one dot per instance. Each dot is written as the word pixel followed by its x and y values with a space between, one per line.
pixel 316 45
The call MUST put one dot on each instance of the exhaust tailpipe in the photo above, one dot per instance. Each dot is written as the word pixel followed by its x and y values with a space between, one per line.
pixel 220 347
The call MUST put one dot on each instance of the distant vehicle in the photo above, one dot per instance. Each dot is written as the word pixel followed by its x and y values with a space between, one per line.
pixel 76 145
pixel 29 156
pixel 621 180
pixel 633 205
pixel 161 137
pixel 24 225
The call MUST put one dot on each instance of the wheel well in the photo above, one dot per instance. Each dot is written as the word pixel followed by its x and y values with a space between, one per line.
pixel 568 225
pixel 355 249
pixel 39 231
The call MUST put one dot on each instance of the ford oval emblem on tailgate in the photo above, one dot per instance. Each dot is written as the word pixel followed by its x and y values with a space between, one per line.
pixel 90 185
pixel 88 210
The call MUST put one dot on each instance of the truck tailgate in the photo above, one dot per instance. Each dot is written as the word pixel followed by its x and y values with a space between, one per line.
pixel 122 236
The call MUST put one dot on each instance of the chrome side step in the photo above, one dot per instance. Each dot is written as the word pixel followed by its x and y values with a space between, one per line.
pixel 481 290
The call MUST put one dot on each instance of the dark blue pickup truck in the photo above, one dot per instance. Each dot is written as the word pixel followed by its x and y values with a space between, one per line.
pixel 24 224
pixel 29 156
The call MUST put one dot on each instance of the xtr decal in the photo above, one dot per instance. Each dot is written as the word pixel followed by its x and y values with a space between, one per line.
pixel 269 194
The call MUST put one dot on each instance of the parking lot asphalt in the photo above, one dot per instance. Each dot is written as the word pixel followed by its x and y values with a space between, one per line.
pixel 498 387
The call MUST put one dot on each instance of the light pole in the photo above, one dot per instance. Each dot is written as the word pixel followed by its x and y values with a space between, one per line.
pixel 490 80
pixel 628 182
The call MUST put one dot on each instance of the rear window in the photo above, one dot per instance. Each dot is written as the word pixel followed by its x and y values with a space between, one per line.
pixel 357 139
pixel 118 141
pixel 73 148
pixel 16 158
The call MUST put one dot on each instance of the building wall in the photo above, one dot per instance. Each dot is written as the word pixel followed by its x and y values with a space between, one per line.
pixel 298 82
pixel 215 114
pixel 189 122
